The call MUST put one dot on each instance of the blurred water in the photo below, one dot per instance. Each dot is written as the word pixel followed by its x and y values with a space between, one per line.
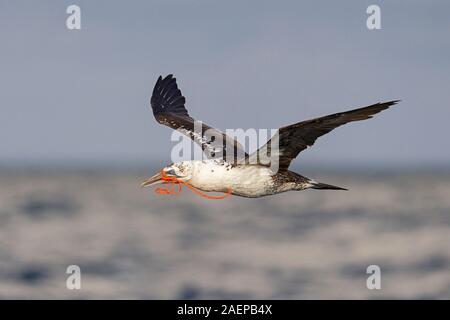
pixel 131 243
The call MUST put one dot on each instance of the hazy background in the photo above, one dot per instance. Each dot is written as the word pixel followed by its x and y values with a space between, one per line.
pixel 77 136
pixel 82 96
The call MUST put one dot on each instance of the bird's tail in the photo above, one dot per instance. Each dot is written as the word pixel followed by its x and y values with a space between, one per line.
pixel 324 186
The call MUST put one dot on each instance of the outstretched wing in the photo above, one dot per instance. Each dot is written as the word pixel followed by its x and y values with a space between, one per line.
pixel 297 137
pixel 169 109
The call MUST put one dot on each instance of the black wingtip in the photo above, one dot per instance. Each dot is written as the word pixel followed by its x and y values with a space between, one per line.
pixel 167 97
pixel 391 103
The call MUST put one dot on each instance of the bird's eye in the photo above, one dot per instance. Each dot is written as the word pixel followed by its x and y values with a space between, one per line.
pixel 171 172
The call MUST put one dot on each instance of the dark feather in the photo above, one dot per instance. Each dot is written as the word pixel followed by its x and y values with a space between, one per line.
pixel 168 106
pixel 297 137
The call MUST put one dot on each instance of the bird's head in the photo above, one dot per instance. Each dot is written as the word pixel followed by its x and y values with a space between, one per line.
pixel 180 170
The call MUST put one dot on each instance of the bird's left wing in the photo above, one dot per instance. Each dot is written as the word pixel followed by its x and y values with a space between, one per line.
pixel 169 109
pixel 297 137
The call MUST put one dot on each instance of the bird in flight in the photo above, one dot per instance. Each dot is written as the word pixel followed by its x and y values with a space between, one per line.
pixel 228 168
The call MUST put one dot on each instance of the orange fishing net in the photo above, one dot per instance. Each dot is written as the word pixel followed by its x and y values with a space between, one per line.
pixel 177 182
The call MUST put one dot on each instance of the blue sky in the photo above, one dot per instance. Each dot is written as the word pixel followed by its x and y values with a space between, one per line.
pixel 82 96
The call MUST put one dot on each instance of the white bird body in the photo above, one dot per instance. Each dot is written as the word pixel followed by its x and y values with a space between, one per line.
pixel 220 176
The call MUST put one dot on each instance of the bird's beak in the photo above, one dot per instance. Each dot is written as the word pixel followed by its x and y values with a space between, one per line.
pixel 152 180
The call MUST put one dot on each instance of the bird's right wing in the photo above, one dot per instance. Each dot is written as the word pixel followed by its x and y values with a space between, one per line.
pixel 169 109
pixel 297 137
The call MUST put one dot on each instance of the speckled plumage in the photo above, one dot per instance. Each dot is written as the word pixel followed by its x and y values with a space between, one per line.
pixel 245 174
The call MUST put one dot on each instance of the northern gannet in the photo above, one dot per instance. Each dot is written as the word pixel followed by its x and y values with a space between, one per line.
pixel 242 174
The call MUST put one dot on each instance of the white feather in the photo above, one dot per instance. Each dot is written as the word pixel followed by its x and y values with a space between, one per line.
pixel 217 175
